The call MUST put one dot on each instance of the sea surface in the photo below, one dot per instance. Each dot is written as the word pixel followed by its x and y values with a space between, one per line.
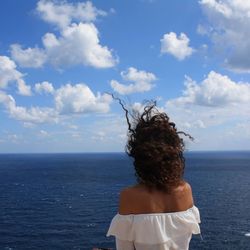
pixel 66 201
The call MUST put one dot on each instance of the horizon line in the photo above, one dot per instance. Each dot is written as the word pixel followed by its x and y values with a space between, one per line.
pixel 123 152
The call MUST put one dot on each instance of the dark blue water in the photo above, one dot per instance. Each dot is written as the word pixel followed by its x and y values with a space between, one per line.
pixel 66 201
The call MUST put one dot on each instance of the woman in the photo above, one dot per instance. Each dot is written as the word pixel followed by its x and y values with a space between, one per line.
pixel 158 212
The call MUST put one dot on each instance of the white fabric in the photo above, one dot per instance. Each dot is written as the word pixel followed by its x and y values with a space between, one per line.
pixel 155 231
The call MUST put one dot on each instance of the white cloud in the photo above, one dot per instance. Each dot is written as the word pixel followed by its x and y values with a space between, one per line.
pixel 215 90
pixel 139 81
pixel 4 97
pixel 135 75
pixel 209 125
pixel 138 107
pixel 31 57
pixel 78 44
pixel 32 115
pixel 23 88
pixel 44 87
pixel 80 99
pixel 210 109
pixel 229 31
pixel 9 74
pixel 68 99
pixel 176 46
pixel 218 6
pixel 63 13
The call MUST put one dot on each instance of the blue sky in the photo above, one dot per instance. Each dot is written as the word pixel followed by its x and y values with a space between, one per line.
pixel 59 58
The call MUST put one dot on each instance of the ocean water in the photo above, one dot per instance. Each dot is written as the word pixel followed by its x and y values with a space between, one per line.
pixel 66 201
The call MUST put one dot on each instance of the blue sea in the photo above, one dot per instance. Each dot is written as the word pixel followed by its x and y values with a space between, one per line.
pixel 66 201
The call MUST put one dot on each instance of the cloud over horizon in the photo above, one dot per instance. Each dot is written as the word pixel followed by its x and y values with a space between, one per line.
pixel 68 100
pixel 214 91
pixel 59 59
pixel 215 106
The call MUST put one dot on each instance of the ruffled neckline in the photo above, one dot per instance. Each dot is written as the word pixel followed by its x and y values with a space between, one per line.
pixel 155 228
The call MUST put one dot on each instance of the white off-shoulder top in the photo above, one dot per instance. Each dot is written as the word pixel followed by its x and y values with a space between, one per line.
pixel 155 231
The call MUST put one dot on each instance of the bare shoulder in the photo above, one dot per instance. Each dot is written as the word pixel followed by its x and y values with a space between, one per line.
pixel 187 187
pixel 183 187
pixel 124 200
pixel 128 193
pixel 184 194
pixel 189 194
pixel 128 199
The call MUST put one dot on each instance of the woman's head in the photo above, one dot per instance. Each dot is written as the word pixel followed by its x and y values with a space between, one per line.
pixel 157 149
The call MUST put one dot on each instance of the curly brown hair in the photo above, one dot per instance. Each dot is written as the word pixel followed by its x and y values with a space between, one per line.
pixel 157 148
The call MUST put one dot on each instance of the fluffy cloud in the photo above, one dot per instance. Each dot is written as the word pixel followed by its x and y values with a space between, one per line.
pixel 176 46
pixel 78 44
pixel 23 88
pixel 229 31
pixel 80 99
pixel 32 115
pixel 68 99
pixel 9 73
pixel 140 81
pixel 210 109
pixel 44 87
pixel 63 13
pixel 210 126
pixel 215 90
pixel 31 57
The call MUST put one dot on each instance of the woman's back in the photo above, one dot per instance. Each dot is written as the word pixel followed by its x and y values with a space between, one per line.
pixel 140 200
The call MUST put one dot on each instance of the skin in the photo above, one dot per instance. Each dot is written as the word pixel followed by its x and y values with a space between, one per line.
pixel 139 199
